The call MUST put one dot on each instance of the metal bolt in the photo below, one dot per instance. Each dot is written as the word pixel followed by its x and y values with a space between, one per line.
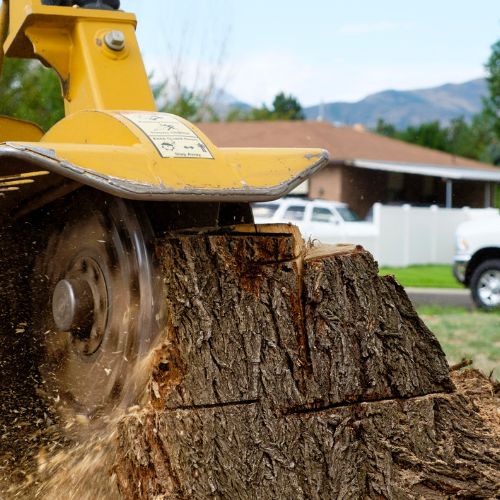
pixel 73 307
pixel 115 40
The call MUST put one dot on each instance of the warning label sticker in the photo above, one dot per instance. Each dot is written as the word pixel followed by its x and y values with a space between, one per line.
pixel 169 135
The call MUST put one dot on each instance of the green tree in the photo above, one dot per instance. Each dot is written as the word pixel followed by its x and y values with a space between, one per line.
pixel 260 114
pixel 30 91
pixel 237 115
pixel 474 140
pixel 387 129
pixel 185 104
pixel 285 107
pixel 492 102
pixel 430 135
pixel 191 105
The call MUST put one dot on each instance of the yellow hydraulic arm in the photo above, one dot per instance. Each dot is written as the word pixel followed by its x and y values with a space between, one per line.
pixel 112 137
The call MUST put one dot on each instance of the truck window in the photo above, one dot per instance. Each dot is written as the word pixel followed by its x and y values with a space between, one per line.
pixel 322 215
pixel 348 214
pixel 265 210
pixel 294 213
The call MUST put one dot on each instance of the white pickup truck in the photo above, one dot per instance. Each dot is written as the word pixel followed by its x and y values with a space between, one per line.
pixel 477 260
pixel 325 221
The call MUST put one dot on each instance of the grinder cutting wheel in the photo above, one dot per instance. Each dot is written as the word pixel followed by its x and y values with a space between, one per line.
pixel 109 178
pixel 106 308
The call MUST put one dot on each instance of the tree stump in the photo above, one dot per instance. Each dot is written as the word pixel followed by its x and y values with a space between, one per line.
pixel 294 373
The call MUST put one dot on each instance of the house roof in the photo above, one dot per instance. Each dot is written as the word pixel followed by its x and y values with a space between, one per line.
pixel 352 146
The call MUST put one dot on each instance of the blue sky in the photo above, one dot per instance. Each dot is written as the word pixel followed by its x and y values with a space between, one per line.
pixel 318 50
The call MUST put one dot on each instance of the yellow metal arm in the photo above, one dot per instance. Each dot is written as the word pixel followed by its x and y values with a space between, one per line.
pixel 158 156
pixel 95 53
pixel 112 138
pixel 4 30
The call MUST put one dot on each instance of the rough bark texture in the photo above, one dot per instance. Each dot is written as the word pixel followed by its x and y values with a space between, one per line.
pixel 288 377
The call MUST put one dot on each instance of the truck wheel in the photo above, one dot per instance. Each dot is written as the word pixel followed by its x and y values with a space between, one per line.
pixel 485 284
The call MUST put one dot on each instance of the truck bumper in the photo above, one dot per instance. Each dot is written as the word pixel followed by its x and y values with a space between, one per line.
pixel 460 267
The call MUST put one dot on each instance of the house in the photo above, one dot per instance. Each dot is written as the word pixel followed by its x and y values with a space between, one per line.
pixel 366 168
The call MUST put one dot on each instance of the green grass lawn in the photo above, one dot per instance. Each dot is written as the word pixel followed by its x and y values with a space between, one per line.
pixel 431 276
pixel 466 334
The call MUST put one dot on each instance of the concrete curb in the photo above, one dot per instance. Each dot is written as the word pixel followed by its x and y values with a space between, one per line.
pixel 456 297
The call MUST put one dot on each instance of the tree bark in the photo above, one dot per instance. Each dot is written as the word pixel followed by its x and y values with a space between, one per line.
pixel 287 373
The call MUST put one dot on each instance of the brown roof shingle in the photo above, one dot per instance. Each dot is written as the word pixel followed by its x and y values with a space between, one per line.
pixel 343 143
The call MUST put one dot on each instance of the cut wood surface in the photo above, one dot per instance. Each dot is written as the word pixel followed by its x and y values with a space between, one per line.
pixel 287 373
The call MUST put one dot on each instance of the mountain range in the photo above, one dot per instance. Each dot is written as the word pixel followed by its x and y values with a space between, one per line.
pixel 408 107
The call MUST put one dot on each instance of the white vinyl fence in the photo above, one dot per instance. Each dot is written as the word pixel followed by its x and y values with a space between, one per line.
pixel 418 235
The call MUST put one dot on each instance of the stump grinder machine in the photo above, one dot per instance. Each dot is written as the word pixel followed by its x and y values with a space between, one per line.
pixel 101 185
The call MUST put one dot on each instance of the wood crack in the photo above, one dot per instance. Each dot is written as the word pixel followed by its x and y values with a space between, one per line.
pixel 213 405
pixel 358 402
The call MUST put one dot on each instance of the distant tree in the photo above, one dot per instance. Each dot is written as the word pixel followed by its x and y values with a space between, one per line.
pixel 30 91
pixel 474 140
pixel 430 135
pixel 492 155
pixel 461 139
pixel 387 129
pixel 492 102
pixel 259 114
pixel 237 115
pixel 190 106
pixel 285 107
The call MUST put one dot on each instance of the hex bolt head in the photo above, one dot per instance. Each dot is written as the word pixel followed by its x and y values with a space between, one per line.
pixel 73 306
pixel 115 40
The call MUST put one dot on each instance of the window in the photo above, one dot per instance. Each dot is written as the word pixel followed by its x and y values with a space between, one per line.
pixel 265 210
pixel 322 215
pixel 348 215
pixel 295 213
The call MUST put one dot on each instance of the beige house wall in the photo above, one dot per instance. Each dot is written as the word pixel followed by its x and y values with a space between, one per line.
pixel 327 184
pixel 359 188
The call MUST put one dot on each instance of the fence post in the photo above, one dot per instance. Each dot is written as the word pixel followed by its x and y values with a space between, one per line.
pixel 435 214
pixel 406 234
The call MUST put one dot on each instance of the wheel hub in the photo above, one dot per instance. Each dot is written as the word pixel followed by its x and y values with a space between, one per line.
pixel 80 305
pixel 73 306
pixel 490 288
